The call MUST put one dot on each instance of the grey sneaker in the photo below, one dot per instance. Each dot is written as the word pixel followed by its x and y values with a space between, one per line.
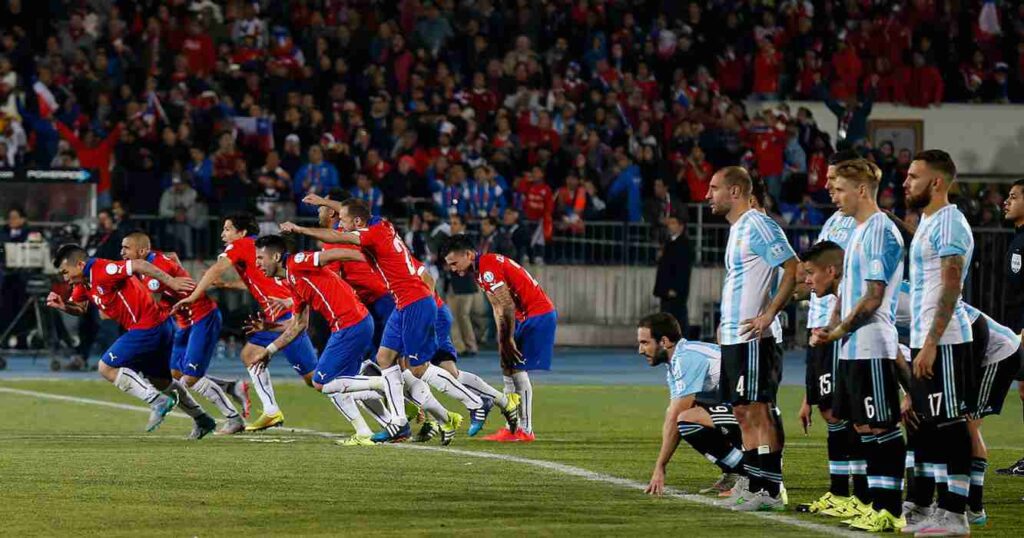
pixel 946 524
pixel 231 426
pixel 724 483
pixel 977 518
pixel 203 425
pixel 761 502
pixel 921 523
pixel 740 493
pixel 915 515
pixel 159 409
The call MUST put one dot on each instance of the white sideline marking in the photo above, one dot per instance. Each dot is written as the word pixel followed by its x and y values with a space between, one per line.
pixel 560 468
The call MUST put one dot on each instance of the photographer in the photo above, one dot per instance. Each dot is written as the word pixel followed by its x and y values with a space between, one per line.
pixel 13 281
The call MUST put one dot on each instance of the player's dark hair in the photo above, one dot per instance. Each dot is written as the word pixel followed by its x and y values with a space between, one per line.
pixel 493 221
pixel 661 325
pixel 272 243
pixel 357 209
pixel 843 155
pixel 244 222
pixel 820 250
pixel 737 176
pixel 70 252
pixel 940 161
pixel 459 243
pixel 1018 183
pixel 338 195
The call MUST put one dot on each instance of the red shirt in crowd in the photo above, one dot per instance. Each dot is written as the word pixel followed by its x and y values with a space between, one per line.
pixel 817 172
pixel 93 158
pixel 698 179
pixel 324 291
pixel 926 86
pixel 388 253
pixel 108 284
pixel 184 317
pixel 768 144
pixel 494 271
pixel 538 203
pixel 767 66
pixel 200 54
pixel 242 254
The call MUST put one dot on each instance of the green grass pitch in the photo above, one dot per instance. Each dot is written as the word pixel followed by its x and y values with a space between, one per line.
pixel 75 468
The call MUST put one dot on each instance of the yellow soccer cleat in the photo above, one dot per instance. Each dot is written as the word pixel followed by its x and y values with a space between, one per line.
pixel 266 421
pixel 880 522
pixel 862 520
pixel 448 428
pixel 851 508
pixel 826 502
pixel 511 412
pixel 356 440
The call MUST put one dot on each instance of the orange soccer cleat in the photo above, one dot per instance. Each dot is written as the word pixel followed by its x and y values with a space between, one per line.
pixel 525 436
pixel 502 436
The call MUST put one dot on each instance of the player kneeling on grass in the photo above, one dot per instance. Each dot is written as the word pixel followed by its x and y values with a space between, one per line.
pixel 823 266
pixel 526 321
pixel 196 334
pixel 311 285
pixel 137 361
pixel 695 412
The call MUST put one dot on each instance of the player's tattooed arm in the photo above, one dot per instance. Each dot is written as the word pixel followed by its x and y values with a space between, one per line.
pixel 212 275
pixel 952 272
pixel 862 311
pixel 669 442
pixel 56 301
pixel 291 331
pixel 178 284
pixel 324 235
pixel 505 318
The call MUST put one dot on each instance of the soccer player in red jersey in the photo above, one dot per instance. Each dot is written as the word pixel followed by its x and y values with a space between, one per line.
pixel 137 361
pixel 526 320
pixel 410 331
pixel 196 334
pixel 239 236
pixel 312 285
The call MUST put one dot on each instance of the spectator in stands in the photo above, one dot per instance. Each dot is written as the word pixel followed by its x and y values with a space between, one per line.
pixel 926 87
pixel 453 196
pixel 200 172
pixel 95 154
pixel 672 283
pixel 852 117
pixel 570 205
pixel 626 189
pixel 179 207
pixel 795 161
pixel 663 205
pixel 538 208
pixel 316 176
pixel 767 136
pixel 486 196
pixel 694 176
pixel 493 240
pixel 367 192
pixel 517 235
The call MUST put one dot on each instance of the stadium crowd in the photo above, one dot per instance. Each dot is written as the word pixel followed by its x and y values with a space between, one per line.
pixel 568 111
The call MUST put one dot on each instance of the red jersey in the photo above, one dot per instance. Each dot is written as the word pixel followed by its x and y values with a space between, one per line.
pixel 388 253
pixel 108 284
pixel 168 297
pixel 419 271
pixel 360 275
pixel 242 254
pixel 494 271
pixel 324 291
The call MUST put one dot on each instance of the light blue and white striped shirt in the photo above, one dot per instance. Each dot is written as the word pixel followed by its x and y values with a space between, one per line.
pixel 945 233
pixel 1002 341
pixel 756 249
pixel 694 370
pixel 838 229
pixel 874 254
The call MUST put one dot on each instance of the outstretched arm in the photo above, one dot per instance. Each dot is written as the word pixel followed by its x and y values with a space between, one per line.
pixel 55 301
pixel 211 275
pixel 669 441
pixel 324 235
pixel 294 328
pixel 175 283
pixel 317 200
pixel 339 255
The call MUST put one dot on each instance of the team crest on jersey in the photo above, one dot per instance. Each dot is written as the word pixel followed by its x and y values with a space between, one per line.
pixel 777 250
pixel 300 257
pixel 112 268
pixel 488 276
pixel 876 267
pixel 153 285
pixel 1015 263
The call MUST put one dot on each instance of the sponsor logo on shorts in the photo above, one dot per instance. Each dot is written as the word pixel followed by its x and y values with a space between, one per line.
pixel 1015 263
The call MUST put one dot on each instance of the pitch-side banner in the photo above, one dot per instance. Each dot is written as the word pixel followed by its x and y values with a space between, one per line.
pixel 47 175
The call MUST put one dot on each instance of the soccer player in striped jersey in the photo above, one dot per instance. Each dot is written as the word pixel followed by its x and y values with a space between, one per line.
pixel 196 334
pixel 239 236
pixel 410 331
pixel 137 362
pixel 756 252
pixel 940 337
pixel 866 393
pixel 695 413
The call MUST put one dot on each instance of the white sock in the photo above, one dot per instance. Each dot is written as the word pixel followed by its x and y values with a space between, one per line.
pixel 419 393
pixel 441 380
pixel 377 410
pixel 347 406
pixel 264 389
pixel 510 384
pixel 223 383
pixel 394 392
pixel 186 402
pixel 216 395
pixel 525 390
pixel 134 383
pixel 474 383
pixel 353 383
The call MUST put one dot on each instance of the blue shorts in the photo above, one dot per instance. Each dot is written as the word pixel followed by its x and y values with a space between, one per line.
pixel 300 353
pixel 145 350
pixel 194 346
pixel 410 331
pixel 535 337
pixel 381 310
pixel 343 355
pixel 443 328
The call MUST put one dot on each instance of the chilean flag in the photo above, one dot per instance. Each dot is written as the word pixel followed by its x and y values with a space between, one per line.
pixel 47 103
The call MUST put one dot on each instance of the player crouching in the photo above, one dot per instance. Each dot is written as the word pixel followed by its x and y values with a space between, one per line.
pixel 695 413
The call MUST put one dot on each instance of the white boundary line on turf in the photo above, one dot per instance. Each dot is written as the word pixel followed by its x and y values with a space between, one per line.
pixel 560 468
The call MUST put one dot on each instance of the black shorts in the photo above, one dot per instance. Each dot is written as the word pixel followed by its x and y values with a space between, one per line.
pixel 751 371
pixel 721 414
pixel 867 392
pixel 995 383
pixel 820 380
pixel 951 391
